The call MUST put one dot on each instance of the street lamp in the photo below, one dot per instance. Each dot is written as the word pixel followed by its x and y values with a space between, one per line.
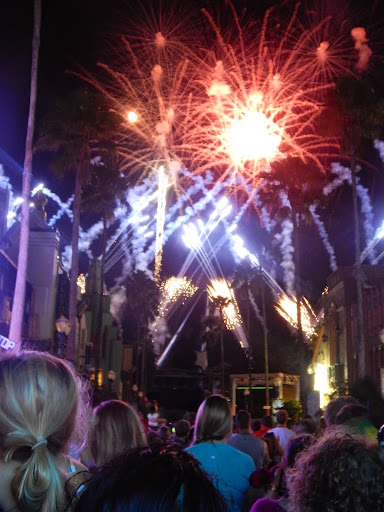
pixel 63 326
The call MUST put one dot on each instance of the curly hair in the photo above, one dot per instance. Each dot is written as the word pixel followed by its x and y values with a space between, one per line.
pixel 339 473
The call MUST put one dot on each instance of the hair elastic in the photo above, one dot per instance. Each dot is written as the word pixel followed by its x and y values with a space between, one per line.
pixel 40 441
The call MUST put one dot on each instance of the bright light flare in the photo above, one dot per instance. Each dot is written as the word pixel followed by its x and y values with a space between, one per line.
pixel 222 296
pixel 254 137
pixel 132 116
pixel 287 308
pixel 37 189
pixel 81 283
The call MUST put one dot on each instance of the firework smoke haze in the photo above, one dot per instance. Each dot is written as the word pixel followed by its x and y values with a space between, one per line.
pixel 359 36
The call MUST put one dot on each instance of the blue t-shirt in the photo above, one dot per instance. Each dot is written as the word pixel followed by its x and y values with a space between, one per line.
pixel 229 468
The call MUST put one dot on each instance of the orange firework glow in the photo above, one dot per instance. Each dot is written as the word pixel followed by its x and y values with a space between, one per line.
pixel 147 83
pixel 234 106
pixel 261 102
pixel 222 296
pixel 287 308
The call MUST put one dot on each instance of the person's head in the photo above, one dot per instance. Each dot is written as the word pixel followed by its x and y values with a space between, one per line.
pixel 182 428
pixel 295 446
pixel 338 473
pixel 305 426
pixel 214 420
pixel 334 406
pixel 350 412
pixel 282 417
pixel 160 479
pixel 164 433
pixel 255 425
pixel 267 421
pixel 242 420
pixel 191 417
pixel 116 429
pixel 40 409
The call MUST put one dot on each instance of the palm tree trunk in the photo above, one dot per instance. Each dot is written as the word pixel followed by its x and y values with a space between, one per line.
pixel 16 327
pixel 71 348
pixel 99 332
pixel 300 339
pixel 357 271
pixel 266 359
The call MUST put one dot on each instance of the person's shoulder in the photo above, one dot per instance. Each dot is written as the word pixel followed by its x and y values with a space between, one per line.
pixel 242 457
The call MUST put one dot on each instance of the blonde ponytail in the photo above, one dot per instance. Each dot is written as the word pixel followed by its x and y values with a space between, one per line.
pixel 39 402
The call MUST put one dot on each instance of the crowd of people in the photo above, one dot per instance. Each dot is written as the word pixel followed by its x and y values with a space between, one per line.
pixel 59 454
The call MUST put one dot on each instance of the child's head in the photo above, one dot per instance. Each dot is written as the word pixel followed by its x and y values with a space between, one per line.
pixel 117 428
pixel 39 408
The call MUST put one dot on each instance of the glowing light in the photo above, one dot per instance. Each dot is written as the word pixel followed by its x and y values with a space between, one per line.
pixel 132 116
pixel 287 308
pixel 11 215
pixel 17 201
pixel 222 296
pixel 81 283
pixel 161 204
pixel 252 138
pixel 37 189
pixel 191 236
pixel 321 382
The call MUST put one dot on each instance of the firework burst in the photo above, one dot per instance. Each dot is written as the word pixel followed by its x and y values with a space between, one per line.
pixel 287 308
pixel 173 289
pixel 260 102
pixel 222 296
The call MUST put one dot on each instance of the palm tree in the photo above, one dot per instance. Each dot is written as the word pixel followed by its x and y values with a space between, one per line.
pixel 74 127
pixel 16 326
pixel 303 187
pixel 105 187
pixel 248 279
pixel 360 113
pixel 143 299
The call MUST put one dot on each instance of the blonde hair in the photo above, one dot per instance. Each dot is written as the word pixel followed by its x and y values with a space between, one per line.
pixel 214 420
pixel 117 428
pixel 39 404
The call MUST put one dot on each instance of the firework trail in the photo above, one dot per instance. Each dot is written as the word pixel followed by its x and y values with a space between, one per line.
pixel 343 174
pixel 285 240
pixel 65 208
pixel 379 145
pixel 324 237
pixel 160 220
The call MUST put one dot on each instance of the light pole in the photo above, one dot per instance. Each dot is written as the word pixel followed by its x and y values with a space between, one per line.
pixel 266 359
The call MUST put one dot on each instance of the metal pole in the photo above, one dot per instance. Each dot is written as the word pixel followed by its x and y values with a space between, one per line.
pixel 222 353
pixel 266 360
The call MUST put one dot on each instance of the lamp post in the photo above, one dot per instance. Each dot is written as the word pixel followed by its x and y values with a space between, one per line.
pixel 63 327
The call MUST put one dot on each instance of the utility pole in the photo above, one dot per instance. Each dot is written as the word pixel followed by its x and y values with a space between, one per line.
pixel 266 359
